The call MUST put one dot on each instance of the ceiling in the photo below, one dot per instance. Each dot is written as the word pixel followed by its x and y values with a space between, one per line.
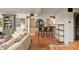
pixel 20 10
pixel 51 10
pixel 29 10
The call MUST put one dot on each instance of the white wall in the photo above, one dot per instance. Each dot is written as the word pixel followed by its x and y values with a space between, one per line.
pixel 47 12
pixel 50 11
pixel 64 17
pixel 69 27
pixel 60 16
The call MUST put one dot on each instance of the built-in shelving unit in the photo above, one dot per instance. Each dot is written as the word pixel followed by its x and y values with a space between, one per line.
pixel 9 24
pixel 59 32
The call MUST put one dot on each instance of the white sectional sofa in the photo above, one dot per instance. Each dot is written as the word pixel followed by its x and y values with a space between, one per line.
pixel 23 44
pixel 19 40
pixel 12 44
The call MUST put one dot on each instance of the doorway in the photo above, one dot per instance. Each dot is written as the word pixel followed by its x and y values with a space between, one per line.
pixel 76 22
pixel 33 28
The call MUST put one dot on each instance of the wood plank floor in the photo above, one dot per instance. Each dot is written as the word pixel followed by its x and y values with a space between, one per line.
pixel 42 43
pixel 70 46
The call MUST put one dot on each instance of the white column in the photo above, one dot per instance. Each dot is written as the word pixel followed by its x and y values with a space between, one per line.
pixel 28 25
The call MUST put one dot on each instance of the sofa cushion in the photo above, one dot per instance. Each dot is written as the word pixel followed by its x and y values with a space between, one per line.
pixel 7 37
pixel 7 44
pixel 18 38
pixel 2 41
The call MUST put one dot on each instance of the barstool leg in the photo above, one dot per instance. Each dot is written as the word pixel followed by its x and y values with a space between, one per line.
pixel 38 34
pixel 43 34
pixel 46 34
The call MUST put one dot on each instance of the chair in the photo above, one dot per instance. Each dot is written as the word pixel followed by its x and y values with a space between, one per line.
pixel 40 31
pixel 50 31
pixel 45 31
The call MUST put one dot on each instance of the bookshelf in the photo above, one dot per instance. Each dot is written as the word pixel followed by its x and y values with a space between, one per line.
pixel 59 31
pixel 9 24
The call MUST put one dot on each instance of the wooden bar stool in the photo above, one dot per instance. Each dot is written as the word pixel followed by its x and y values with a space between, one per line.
pixel 45 31
pixel 50 31
pixel 40 31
